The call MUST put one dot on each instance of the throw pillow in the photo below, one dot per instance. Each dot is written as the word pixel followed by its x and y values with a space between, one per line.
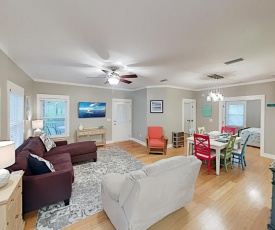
pixel 39 165
pixel 49 144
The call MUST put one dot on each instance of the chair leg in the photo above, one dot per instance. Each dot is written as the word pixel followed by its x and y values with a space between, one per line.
pixel 225 164
pixel 208 167
pixel 244 160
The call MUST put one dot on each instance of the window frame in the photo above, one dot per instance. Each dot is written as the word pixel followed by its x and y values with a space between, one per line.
pixel 227 103
pixel 17 90
pixel 59 98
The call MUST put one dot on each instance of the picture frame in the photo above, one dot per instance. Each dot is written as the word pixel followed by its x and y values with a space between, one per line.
pixel 206 110
pixel 156 106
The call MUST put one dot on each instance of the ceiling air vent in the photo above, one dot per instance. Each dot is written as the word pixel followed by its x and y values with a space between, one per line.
pixel 233 61
pixel 215 76
pixel 163 80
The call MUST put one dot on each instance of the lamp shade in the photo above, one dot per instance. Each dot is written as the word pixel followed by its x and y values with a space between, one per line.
pixel 37 124
pixel 114 80
pixel 7 153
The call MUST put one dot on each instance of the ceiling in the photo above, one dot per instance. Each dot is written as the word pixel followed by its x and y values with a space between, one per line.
pixel 181 41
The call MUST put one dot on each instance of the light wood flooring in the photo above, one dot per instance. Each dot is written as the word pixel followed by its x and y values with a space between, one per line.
pixel 239 199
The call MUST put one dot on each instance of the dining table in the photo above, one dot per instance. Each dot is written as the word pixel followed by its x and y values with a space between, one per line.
pixel 216 145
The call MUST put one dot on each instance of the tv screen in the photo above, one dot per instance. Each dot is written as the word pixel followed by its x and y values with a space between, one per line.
pixel 91 109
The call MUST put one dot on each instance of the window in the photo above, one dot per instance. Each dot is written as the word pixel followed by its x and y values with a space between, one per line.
pixel 16 113
pixel 54 111
pixel 235 113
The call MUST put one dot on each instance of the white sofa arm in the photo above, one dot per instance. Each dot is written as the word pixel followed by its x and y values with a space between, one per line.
pixel 112 184
pixel 128 184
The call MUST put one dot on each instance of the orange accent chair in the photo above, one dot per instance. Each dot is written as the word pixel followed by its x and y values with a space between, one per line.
pixel 228 130
pixel 155 140
pixel 203 151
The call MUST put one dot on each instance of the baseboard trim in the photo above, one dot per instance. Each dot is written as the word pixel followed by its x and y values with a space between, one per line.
pixel 268 155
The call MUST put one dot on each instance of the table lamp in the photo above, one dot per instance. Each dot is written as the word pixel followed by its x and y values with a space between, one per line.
pixel 37 125
pixel 7 158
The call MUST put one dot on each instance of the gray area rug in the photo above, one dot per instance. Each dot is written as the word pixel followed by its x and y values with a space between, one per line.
pixel 86 194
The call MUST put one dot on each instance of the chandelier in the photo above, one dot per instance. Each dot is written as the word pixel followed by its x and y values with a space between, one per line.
pixel 215 94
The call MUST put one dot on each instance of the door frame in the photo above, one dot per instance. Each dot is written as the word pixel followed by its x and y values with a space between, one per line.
pixel 248 98
pixel 185 100
pixel 113 104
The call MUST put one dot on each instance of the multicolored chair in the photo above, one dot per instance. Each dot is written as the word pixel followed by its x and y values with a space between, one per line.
pixel 226 154
pixel 155 140
pixel 228 130
pixel 201 130
pixel 203 151
pixel 239 154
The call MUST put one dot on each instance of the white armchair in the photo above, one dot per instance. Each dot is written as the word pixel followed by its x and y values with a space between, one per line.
pixel 139 199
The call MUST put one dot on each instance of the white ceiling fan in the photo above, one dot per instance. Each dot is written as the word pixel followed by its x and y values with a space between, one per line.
pixel 114 78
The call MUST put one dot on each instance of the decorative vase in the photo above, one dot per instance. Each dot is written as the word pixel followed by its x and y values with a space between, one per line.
pixel 4 177
pixel 80 127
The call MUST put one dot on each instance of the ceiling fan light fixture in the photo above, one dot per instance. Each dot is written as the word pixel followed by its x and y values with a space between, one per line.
pixel 113 80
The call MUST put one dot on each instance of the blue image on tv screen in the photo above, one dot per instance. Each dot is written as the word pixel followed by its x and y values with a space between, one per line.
pixel 91 109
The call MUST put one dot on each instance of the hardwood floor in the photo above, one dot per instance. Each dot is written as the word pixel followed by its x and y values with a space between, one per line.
pixel 239 199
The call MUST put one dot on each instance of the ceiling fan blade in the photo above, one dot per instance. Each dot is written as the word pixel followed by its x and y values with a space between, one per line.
pixel 106 82
pixel 129 76
pixel 125 81
pixel 105 71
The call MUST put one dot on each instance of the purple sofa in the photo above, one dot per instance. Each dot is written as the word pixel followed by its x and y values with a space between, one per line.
pixel 49 188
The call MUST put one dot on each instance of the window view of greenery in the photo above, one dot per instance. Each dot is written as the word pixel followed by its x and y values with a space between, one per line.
pixel 54 117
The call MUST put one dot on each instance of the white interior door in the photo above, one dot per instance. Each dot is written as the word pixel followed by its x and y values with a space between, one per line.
pixel 121 120
pixel 188 115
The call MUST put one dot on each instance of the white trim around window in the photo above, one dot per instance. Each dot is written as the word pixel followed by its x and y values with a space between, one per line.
pixel 66 98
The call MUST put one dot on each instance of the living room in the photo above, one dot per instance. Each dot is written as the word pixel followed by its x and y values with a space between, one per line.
pixel 170 119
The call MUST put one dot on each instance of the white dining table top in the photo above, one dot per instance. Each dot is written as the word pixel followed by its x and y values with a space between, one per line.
pixel 215 143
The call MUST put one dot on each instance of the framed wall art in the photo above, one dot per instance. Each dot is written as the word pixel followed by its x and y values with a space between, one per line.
pixel 156 106
pixel 206 110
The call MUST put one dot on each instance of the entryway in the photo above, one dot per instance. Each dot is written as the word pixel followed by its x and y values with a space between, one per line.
pixel 188 115
pixel 121 119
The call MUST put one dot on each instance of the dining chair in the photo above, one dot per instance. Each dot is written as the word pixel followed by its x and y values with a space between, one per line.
pixel 201 130
pixel 155 140
pixel 226 154
pixel 228 130
pixel 191 134
pixel 203 151
pixel 239 154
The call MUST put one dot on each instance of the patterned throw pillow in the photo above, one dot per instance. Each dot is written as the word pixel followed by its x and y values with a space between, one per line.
pixel 38 165
pixel 49 144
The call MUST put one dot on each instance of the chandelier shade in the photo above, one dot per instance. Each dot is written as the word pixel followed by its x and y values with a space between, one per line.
pixel 215 93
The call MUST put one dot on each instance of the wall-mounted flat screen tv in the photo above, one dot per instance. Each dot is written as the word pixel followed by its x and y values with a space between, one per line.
pixel 91 109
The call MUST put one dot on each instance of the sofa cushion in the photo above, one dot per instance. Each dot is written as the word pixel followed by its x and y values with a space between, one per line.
pixel 39 165
pixel 48 143
pixel 75 148
pixel 61 162
pixel 167 164
pixel 59 158
pixel 128 184
pixel 35 146
pixel 155 132
pixel 22 146
pixel 156 142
